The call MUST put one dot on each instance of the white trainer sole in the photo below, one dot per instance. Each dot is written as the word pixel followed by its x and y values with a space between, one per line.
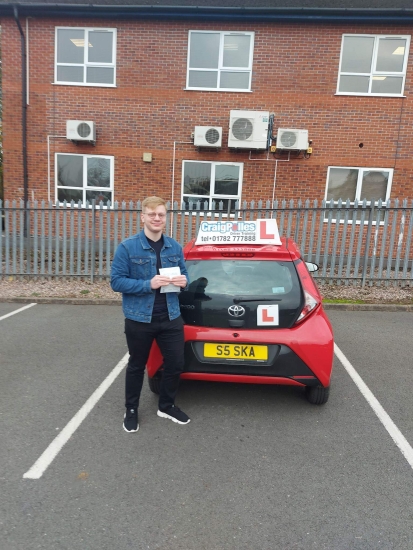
pixel 164 415
pixel 129 431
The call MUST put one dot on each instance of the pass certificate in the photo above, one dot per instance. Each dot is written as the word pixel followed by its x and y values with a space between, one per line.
pixel 170 272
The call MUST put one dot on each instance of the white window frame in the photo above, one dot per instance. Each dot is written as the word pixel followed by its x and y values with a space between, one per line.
pixel 373 73
pixel 84 187
pixel 220 67
pixel 361 170
pixel 85 63
pixel 212 197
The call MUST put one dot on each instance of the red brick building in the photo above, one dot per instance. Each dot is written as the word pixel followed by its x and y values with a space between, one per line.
pixel 329 87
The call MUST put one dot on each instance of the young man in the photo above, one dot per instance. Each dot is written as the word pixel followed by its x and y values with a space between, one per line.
pixel 150 314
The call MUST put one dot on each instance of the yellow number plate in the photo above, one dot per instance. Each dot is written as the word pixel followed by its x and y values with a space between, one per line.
pixel 236 351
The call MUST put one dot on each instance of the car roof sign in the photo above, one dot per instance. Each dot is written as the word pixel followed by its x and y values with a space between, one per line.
pixel 261 231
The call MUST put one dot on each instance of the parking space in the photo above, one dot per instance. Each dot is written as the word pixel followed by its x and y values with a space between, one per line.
pixel 10 308
pixel 379 345
pixel 53 358
pixel 258 466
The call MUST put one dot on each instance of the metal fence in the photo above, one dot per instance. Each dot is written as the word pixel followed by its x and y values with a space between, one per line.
pixel 353 243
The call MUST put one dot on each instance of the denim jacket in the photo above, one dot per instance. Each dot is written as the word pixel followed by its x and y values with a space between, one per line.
pixel 133 267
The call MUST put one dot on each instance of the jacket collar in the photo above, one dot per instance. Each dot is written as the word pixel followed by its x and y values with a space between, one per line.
pixel 147 246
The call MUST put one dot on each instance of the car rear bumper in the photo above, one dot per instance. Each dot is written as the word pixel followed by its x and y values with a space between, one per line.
pixel 282 363
pixel 301 356
pixel 242 379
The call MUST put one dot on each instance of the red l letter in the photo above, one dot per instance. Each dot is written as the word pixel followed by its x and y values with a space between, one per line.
pixel 265 317
pixel 263 231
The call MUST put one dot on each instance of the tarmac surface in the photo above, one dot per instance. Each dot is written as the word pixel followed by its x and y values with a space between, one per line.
pixel 257 467
pixel 109 302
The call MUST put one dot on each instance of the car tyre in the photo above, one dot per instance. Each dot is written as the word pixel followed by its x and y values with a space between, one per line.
pixel 155 384
pixel 317 395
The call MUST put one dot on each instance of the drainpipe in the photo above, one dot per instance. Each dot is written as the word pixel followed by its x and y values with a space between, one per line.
pixel 24 116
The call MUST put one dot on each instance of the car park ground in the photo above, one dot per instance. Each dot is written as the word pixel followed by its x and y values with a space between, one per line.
pixel 257 467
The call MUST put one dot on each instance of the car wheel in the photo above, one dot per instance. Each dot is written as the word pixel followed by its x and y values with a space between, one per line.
pixel 155 384
pixel 317 395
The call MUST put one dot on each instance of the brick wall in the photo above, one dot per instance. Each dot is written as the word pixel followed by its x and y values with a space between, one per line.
pixel 294 76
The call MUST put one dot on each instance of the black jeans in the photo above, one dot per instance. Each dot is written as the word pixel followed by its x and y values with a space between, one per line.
pixel 169 336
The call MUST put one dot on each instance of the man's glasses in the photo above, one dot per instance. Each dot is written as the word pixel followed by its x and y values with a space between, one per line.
pixel 153 215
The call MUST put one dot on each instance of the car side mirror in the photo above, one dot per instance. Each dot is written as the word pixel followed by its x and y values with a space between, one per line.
pixel 311 267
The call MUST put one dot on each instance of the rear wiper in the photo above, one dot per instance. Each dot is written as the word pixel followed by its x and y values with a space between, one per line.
pixel 260 298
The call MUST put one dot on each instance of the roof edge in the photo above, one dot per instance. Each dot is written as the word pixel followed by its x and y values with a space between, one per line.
pixel 390 15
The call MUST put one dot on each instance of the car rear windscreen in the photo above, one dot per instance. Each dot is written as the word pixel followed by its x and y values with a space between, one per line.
pixel 217 284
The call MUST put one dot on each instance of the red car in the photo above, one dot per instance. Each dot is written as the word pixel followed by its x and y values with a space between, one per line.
pixel 253 314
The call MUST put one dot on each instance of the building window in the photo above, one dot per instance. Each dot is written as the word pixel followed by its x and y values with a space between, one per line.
pixel 354 184
pixel 220 60
pixel 85 57
pixel 211 181
pixel 373 65
pixel 84 178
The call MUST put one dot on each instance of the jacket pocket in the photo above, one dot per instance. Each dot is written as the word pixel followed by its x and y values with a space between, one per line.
pixel 172 260
pixel 140 268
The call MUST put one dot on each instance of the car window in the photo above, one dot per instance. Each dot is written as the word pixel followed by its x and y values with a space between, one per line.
pixel 245 277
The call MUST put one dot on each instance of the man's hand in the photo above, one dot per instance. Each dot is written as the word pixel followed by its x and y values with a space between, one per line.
pixel 179 280
pixel 160 280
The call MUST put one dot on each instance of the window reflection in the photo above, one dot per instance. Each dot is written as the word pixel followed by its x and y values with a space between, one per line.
pixel 70 170
pixel 197 178
pixel 374 185
pixel 342 184
pixel 98 172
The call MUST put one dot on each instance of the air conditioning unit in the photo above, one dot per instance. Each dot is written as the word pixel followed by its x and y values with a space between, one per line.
pixel 248 129
pixel 81 130
pixel 288 138
pixel 208 136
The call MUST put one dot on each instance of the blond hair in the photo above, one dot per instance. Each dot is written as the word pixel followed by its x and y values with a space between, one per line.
pixel 152 203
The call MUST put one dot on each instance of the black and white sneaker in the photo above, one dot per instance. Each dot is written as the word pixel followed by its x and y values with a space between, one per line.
pixel 130 420
pixel 175 414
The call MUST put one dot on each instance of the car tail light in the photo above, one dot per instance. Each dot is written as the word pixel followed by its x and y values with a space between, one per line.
pixel 311 295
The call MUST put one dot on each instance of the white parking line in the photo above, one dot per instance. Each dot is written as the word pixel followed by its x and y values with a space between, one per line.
pixel 17 311
pixel 384 418
pixel 44 461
